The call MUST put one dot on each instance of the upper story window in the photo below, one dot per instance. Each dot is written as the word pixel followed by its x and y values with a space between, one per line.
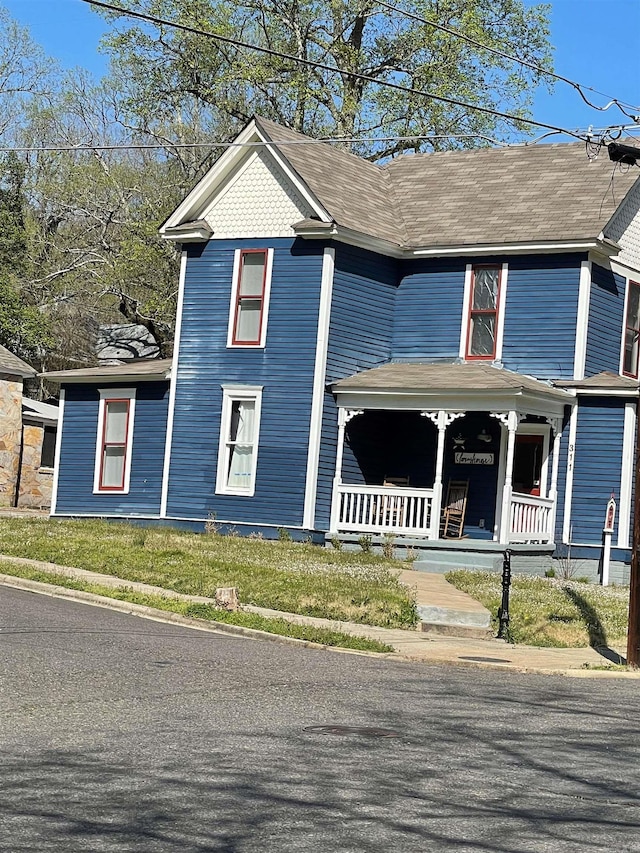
pixel 239 432
pixel 250 298
pixel 484 302
pixel 114 440
pixel 632 331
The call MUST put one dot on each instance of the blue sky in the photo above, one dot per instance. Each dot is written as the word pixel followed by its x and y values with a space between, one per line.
pixel 597 43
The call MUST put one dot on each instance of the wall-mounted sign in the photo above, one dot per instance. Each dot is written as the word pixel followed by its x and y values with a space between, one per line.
pixel 473 458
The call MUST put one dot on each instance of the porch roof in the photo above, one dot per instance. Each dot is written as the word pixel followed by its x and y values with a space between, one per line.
pixel 458 386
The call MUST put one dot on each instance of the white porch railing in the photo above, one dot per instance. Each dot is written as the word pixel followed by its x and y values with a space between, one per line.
pixel 378 509
pixel 531 519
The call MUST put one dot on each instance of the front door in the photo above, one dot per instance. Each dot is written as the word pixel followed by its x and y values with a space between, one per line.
pixel 527 464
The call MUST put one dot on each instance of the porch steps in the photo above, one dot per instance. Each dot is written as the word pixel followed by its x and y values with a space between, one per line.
pixel 443 609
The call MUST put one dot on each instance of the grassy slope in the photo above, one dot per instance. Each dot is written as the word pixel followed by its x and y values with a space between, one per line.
pixel 284 576
pixel 550 612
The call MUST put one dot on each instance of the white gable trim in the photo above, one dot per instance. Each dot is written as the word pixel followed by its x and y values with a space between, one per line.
pixel 203 194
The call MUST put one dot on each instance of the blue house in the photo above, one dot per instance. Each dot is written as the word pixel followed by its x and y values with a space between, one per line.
pixel 443 350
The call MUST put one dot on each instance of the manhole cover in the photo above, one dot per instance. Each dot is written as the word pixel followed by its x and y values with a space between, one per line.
pixel 484 660
pixel 365 731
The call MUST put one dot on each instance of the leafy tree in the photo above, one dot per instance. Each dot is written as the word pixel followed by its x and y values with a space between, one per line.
pixel 23 329
pixel 179 85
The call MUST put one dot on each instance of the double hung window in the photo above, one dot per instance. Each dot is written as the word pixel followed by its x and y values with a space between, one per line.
pixel 250 298
pixel 483 312
pixel 238 451
pixel 632 331
pixel 114 441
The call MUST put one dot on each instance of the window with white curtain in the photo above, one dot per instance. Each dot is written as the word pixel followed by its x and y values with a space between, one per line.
pixel 114 440
pixel 238 451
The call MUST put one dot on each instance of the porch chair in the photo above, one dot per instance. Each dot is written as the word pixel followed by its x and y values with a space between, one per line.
pixel 391 510
pixel 454 509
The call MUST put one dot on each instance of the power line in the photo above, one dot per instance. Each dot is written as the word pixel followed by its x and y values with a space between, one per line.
pixel 152 19
pixel 156 146
pixel 86 147
pixel 533 66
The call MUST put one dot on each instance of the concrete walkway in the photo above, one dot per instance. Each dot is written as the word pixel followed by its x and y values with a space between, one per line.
pixel 409 645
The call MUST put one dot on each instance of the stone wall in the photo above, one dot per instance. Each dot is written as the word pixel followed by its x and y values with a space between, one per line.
pixel 10 436
pixel 35 482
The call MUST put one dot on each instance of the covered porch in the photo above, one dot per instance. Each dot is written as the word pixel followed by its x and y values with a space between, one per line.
pixel 415 440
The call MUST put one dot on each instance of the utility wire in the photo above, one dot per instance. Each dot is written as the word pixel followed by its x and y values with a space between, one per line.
pixel 152 19
pixel 538 68
pixel 85 147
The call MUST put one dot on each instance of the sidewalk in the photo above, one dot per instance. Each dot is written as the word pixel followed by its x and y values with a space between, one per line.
pixel 408 645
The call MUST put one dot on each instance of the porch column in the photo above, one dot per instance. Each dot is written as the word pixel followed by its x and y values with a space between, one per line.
pixel 344 416
pixel 441 419
pixel 556 426
pixel 509 420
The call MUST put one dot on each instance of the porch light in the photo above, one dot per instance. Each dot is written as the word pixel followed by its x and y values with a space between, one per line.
pixel 484 436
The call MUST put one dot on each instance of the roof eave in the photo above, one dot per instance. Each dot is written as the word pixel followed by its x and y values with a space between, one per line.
pixel 64 377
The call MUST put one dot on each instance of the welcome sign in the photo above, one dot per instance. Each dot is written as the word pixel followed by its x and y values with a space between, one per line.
pixel 462 458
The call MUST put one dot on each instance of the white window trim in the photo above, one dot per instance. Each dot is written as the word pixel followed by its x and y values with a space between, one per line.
pixel 466 311
pixel 114 394
pixel 265 301
pixel 230 395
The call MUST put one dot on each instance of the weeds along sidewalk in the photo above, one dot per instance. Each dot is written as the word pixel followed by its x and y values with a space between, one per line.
pixel 404 644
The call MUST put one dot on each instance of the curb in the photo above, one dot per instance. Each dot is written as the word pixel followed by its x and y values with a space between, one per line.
pixel 152 613
pixel 210 626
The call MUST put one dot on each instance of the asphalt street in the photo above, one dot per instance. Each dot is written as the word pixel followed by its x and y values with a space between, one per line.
pixel 122 734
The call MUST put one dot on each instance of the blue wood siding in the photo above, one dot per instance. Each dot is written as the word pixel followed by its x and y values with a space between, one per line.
pixel 284 368
pixel 428 311
pixel 360 334
pixel 604 334
pixel 540 315
pixel 78 453
pixel 597 467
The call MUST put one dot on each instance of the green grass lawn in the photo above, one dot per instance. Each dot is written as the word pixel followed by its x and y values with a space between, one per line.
pixel 286 576
pixel 552 612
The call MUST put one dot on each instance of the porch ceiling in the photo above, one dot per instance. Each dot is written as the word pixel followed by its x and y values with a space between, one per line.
pixel 462 387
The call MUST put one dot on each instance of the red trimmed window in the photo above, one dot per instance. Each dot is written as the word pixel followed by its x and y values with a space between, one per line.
pixel 632 331
pixel 249 308
pixel 113 454
pixel 483 312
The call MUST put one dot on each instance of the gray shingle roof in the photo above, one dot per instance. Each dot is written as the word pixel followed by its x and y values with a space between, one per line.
pixel 605 380
pixel 154 368
pixel 538 192
pixel 508 195
pixel 454 378
pixel 10 363
pixel 355 192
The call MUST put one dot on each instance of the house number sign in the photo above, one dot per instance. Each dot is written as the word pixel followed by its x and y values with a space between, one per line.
pixel 462 458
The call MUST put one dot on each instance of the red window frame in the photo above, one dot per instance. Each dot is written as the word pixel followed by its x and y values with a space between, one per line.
pixel 636 330
pixel 235 340
pixel 104 444
pixel 474 312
